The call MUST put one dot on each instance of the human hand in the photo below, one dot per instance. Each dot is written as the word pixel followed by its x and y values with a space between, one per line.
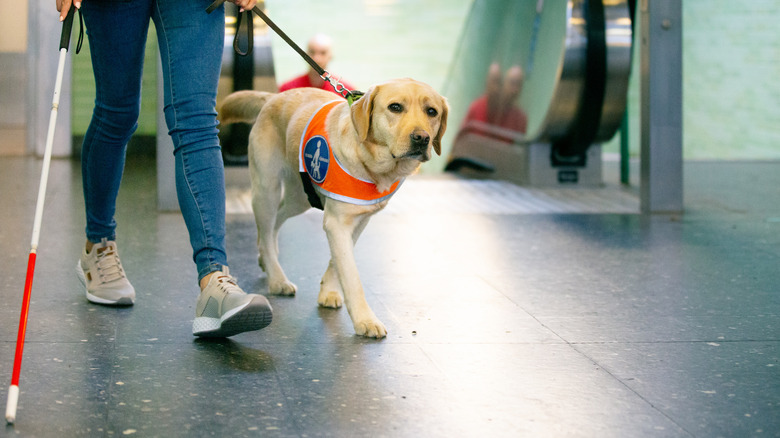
pixel 245 5
pixel 63 6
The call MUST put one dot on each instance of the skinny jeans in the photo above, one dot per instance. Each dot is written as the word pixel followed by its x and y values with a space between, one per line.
pixel 190 46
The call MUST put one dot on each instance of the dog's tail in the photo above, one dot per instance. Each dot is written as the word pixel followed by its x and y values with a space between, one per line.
pixel 242 106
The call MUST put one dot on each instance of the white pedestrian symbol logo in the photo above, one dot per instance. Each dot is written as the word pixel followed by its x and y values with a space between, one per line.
pixel 315 162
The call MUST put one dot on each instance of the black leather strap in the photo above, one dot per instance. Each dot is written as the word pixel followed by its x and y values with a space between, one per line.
pixel 250 37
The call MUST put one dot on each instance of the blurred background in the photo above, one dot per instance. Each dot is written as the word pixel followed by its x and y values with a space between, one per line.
pixel 731 59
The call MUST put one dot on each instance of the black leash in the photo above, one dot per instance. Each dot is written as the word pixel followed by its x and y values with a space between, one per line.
pixel 350 95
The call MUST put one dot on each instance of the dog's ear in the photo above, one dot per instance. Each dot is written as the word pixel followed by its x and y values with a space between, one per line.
pixel 442 127
pixel 361 113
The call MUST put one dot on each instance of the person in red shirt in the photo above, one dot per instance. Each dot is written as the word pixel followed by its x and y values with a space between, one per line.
pixel 494 115
pixel 498 107
pixel 320 50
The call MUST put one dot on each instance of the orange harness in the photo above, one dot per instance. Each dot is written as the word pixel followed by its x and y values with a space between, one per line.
pixel 321 171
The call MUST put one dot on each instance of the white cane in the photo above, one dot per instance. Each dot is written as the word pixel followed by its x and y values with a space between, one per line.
pixel 13 390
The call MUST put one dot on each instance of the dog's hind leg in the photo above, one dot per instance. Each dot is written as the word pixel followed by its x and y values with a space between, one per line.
pixel 267 245
pixel 331 294
pixel 266 176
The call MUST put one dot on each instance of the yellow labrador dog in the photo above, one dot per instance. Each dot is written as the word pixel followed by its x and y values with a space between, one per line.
pixel 310 147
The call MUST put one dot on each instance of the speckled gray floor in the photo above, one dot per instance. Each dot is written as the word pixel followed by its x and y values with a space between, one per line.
pixel 501 323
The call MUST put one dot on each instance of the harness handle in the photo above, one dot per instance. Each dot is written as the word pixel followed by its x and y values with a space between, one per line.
pixel 350 95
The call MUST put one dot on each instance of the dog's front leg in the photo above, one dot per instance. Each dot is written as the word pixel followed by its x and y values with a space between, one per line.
pixel 331 294
pixel 342 224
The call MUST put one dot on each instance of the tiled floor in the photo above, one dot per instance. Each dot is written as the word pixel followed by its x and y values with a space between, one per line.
pixel 502 323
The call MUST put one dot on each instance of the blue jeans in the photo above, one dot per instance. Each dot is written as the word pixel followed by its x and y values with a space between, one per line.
pixel 190 42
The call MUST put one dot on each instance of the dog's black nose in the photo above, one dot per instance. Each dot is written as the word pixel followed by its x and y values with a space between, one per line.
pixel 420 138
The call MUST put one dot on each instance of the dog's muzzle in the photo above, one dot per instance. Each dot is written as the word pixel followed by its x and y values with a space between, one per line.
pixel 420 139
pixel 418 145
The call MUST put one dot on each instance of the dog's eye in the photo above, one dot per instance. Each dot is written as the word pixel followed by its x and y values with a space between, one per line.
pixel 432 112
pixel 395 107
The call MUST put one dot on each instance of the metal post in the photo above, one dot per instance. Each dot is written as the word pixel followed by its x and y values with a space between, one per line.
pixel 661 188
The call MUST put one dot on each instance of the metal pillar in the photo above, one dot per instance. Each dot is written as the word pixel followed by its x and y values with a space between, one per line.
pixel 661 189
pixel 44 30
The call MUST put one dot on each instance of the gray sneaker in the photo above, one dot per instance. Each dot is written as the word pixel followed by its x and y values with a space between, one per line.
pixel 223 309
pixel 104 279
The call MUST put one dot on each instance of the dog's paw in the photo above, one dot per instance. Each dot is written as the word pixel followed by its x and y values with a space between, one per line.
pixel 330 299
pixel 284 288
pixel 370 328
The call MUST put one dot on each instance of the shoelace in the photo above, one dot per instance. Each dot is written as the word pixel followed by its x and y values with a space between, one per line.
pixel 109 266
pixel 229 284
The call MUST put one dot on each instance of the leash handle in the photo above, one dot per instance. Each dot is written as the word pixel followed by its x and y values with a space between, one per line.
pixel 249 34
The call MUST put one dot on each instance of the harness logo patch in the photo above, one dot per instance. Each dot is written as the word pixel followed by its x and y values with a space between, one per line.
pixel 315 158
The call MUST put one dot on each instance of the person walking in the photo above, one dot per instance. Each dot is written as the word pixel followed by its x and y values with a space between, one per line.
pixel 190 43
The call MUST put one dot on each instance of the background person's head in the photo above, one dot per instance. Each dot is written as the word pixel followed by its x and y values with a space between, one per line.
pixel 493 81
pixel 319 48
pixel 513 82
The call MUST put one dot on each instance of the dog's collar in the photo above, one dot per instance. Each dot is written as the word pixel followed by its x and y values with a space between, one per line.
pixel 353 96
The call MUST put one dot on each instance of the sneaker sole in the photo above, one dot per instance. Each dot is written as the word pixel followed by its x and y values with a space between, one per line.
pixel 124 301
pixel 249 317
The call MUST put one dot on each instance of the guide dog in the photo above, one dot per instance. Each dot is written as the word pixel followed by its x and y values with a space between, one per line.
pixel 368 147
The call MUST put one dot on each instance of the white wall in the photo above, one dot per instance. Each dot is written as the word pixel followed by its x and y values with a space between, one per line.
pixel 13 22
pixel 13 74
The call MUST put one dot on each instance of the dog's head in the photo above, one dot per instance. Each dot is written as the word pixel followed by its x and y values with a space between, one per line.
pixel 402 118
